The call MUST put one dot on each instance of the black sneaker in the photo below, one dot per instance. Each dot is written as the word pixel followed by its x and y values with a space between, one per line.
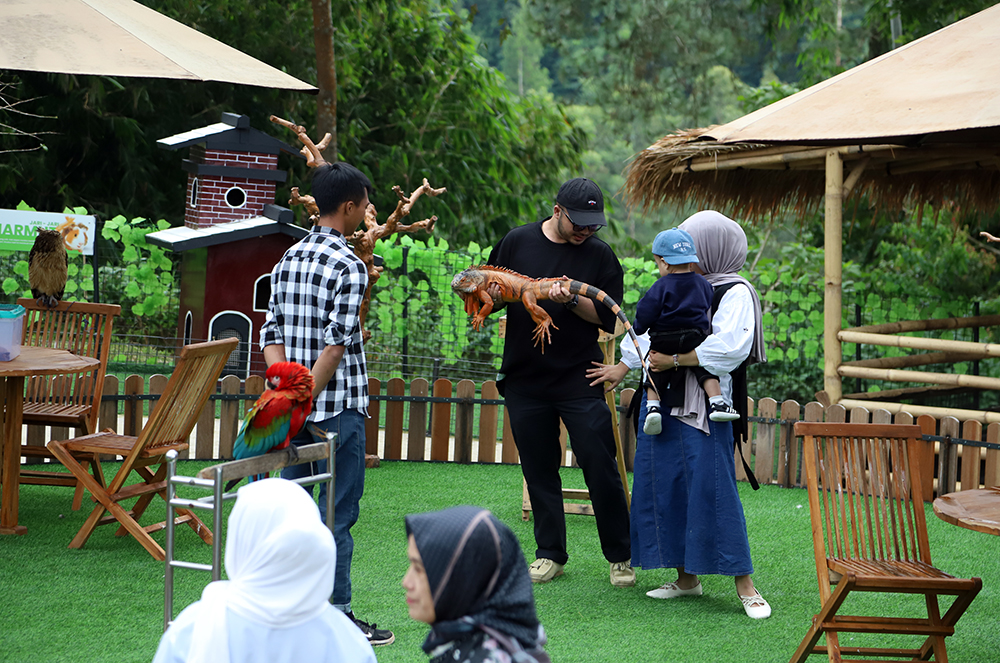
pixel 722 412
pixel 376 636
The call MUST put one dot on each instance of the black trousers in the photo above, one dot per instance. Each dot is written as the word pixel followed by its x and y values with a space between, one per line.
pixel 535 425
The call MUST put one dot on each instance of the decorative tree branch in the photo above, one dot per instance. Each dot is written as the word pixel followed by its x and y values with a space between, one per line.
pixel 363 241
pixel 313 152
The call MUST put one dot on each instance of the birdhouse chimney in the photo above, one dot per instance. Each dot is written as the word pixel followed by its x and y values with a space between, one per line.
pixel 232 171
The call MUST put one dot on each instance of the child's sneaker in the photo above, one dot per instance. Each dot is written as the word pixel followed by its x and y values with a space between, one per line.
pixel 722 412
pixel 654 421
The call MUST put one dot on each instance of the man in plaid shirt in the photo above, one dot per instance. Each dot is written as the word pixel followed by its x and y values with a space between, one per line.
pixel 313 318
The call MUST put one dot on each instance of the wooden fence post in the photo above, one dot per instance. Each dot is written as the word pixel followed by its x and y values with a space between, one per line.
pixel 971 456
pixel 788 456
pixel 948 457
pixel 134 386
pixel 416 436
pixel 928 425
pixel 488 415
pixel 441 421
pixel 108 417
pixel 229 415
pixel 992 475
pixel 372 423
pixel 464 413
pixel 763 465
pixel 394 420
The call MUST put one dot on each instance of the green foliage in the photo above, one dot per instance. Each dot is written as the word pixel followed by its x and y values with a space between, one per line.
pixel 80 281
pixel 521 58
pixel 415 100
pixel 809 28
pixel 636 58
pixel 143 285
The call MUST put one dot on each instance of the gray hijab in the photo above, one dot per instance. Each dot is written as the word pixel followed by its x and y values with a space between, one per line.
pixel 722 252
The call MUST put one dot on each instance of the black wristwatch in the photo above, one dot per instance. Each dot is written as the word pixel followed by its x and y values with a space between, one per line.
pixel 571 304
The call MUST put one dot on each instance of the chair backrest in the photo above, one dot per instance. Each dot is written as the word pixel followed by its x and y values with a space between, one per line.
pixel 864 493
pixel 81 328
pixel 179 406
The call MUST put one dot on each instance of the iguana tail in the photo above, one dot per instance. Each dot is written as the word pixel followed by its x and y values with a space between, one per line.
pixel 598 295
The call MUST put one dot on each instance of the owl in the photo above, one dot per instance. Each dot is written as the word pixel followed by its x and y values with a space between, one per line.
pixel 48 265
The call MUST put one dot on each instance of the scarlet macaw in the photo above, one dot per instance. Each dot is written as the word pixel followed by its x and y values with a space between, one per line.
pixel 279 413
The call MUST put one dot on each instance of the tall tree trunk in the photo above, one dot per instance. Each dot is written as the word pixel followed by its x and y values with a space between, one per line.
pixel 326 75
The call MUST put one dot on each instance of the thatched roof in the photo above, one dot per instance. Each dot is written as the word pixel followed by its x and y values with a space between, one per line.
pixel 924 120
pixel 756 180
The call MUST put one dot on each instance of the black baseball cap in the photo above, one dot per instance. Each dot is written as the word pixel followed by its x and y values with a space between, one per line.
pixel 584 202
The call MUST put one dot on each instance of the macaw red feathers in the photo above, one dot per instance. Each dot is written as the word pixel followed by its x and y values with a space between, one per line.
pixel 279 413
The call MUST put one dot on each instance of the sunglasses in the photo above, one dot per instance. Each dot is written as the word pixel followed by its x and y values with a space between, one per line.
pixel 578 228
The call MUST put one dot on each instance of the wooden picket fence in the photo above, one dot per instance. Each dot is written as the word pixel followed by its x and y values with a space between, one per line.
pixel 461 423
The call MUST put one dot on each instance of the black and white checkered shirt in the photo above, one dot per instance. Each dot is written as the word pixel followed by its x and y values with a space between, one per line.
pixel 316 293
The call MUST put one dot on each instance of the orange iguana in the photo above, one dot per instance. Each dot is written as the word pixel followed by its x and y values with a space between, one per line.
pixel 471 284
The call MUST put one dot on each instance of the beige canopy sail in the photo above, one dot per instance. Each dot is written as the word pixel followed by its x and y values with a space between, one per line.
pixel 122 38
pixel 920 124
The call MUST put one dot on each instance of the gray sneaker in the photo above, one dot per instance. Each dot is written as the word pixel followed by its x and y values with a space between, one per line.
pixel 622 574
pixel 543 570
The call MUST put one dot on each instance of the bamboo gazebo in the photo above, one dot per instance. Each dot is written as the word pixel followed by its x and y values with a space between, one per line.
pixel 918 125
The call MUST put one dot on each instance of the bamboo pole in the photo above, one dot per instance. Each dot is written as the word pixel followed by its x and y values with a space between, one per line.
pixel 895 394
pixel 917 410
pixel 920 343
pixel 726 162
pixel 915 360
pixel 949 379
pixel 855 174
pixel 902 326
pixel 952 163
pixel 832 266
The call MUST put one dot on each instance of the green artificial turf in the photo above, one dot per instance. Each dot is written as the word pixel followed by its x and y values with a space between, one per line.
pixel 105 602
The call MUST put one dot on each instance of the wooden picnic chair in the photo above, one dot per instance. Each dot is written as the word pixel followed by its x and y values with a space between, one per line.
pixel 870 535
pixel 71 401
pixel 168 427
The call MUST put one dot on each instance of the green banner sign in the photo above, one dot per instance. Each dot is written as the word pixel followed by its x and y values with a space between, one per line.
pixel 18 229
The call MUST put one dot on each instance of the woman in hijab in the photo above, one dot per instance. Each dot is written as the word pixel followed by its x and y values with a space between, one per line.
pixel 469 581
pixel 686 511
pixel 275 607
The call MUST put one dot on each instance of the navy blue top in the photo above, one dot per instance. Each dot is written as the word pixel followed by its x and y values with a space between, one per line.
pixel 676 301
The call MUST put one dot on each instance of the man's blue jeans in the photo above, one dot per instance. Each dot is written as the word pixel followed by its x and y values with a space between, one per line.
pixel 349 426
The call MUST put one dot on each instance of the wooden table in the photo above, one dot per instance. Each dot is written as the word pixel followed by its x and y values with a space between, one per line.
pixel 31 362
pixel 977 509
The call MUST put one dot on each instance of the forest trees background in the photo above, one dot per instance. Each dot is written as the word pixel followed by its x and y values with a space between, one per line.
pixel 500 101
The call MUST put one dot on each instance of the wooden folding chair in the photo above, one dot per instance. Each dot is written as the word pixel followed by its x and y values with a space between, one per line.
pixel 168 427
pixel 71 401
pixel 870 535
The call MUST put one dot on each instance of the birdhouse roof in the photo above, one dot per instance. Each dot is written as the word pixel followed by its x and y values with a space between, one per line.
pixel 233 133
pixel 276 220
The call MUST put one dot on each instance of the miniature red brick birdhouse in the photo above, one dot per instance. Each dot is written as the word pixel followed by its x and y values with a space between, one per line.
pixel 233 234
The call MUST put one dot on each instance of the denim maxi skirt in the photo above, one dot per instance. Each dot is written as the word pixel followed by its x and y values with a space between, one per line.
pixel 686 511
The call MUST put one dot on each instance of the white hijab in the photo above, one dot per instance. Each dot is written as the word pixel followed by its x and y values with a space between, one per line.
pixel 280 560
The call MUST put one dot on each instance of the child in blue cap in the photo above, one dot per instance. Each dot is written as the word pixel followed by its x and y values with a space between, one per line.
pixel 677 313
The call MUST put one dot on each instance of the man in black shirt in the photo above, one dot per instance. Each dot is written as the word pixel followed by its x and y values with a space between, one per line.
pixel 539 389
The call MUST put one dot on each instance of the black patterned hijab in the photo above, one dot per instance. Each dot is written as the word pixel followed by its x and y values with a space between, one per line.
pixel 477 575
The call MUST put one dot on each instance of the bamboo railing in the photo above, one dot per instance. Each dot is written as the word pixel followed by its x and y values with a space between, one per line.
pixel 463 423
pixel 894 369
